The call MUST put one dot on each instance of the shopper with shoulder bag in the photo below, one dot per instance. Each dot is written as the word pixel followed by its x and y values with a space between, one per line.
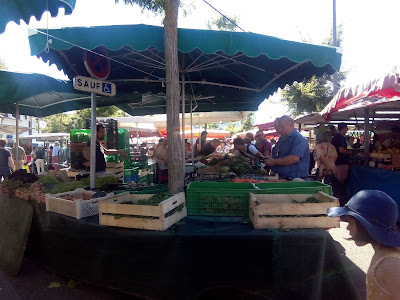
pixel 325 156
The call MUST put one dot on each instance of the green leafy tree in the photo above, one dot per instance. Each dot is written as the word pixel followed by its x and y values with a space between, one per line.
pixel 65 122
pixel 232 128
pixel 313 94
pixel 222 23
pixel 58 123
pixel 247 124
pixel 79 119
pixel 214 125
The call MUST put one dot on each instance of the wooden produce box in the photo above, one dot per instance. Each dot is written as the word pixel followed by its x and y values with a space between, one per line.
pixel 77 208
pixel 160 217
pixel 286 211
pixel 116 168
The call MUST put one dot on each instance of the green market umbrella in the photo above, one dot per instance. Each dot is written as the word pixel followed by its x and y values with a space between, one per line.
pixel 223 70
pixel 17 10
pixel 40 95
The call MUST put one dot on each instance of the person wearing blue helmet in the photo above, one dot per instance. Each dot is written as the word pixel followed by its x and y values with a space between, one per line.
pixel 372 217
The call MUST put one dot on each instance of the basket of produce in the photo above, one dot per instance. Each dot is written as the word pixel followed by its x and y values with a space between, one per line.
pixel 291 187
pixel 143 211
pixel 218 198
pixel 78 204
pixel 290 211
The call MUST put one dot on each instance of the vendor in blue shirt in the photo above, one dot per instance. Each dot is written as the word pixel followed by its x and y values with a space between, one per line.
pixel 291 154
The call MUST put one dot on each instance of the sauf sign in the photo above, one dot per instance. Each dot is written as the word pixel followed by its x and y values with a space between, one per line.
pixel 95 86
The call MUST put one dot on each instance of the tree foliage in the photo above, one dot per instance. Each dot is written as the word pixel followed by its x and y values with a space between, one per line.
pixel 232 128
pixel 222 23
pixel 155 6
pixel 315 93
pixel 246 125
pixel 307 96
pixel 65 122
pixel 58 123
pixel 158 6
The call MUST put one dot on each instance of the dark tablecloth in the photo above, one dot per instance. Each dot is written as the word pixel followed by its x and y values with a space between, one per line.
pixel 195 256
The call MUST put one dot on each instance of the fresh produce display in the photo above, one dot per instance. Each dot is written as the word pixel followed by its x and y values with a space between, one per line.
pixel 152 201
pixel 388 151
pixel 24 176
pixel 228 204
pixel 81 196
pixel 226 164
pixel 30 187
pixel 25 191
pixel 54 186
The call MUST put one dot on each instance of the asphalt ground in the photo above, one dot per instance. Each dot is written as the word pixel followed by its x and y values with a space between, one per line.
pixel 34 282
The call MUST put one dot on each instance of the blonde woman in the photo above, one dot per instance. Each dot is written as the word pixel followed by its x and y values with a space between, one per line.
pixel 325 156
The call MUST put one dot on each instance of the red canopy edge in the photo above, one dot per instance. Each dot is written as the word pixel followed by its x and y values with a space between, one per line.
pixel 365 95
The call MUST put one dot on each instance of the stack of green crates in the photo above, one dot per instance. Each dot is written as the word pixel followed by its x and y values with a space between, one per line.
pixel 131 175
pixel 219 198
pixel 123 144
pixel 80 135
pixel 306 187
pixel 141 164
pixel 123 138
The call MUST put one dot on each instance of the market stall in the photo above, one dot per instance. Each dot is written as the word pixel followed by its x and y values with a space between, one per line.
pixel 195 258
pixel 231 248
pixel 373 108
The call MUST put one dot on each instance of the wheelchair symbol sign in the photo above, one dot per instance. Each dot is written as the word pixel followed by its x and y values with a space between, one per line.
pixel 107 88
pixel 92 85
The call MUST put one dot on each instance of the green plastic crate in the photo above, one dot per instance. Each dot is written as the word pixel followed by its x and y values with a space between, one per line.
pixel 131 172
pixel 306 187
pixel 154 189
pixel 218 198
pixel 80 135
pixel 141 164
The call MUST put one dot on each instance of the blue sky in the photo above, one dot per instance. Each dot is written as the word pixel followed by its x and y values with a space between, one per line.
pixel 370 41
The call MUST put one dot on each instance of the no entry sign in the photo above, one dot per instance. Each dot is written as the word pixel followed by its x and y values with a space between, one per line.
pixel 97 63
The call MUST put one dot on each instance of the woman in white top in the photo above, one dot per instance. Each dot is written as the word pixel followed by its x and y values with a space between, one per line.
pixel 325 155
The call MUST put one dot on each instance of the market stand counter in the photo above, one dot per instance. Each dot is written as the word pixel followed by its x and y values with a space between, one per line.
pixel 194 256
pixel 363 178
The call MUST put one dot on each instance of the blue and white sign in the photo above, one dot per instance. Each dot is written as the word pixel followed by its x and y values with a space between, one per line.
pixel 91 85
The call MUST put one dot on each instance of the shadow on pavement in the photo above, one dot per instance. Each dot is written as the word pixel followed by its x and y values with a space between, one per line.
pixel 33 281
pixel 356 274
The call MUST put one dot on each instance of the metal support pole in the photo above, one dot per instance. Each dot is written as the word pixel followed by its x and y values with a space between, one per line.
pixel 16 135
pixel 335 75
pixel 137 136
pixel 367 137
pixel 93 141
pixel 191 129
pixel 183 117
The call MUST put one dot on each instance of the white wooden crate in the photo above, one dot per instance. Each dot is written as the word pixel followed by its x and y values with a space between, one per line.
pixel 113 213
pixel 77 208
pixel 279 211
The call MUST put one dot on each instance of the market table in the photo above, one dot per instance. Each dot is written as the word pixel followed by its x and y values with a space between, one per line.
pixel 196 255
pixel 365 178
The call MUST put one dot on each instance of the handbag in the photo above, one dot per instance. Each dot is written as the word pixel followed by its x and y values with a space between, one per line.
pixel 329 179
pixel 315 171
